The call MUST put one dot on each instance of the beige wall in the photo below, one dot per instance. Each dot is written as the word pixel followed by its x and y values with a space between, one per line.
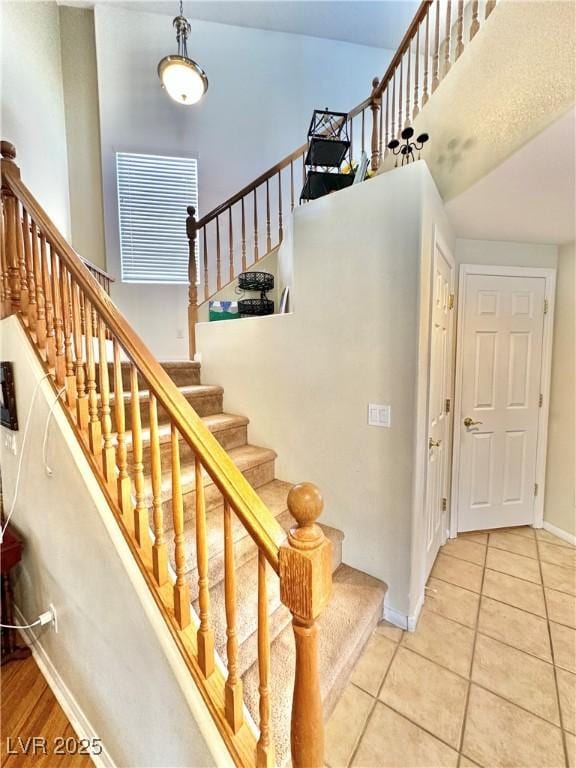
pixel 560 503
pixel 33 102
pixel 305 379
pixel 80 84
pixel 113 653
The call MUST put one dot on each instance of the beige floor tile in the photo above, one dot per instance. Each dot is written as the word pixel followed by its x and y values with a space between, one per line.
pixel 466 763
pixel 518 628
pixel 427 694
pixel 498 733
pixel 451 601
pixel 516 676
pixel 550 553
pixel 391 741
pixel 443 641
pixel 520 545
pixel 373 663
pixel 464 549
pixel 389 631
pixel 571 749
pixel 459 572
pixel 478 536
pixel 543 535
pixel 567 694
pixel 517 592
pixel 564 645
pixel 561 607
pixel 346 725
pixel 515 565
pixel 557 577
pixel 520 530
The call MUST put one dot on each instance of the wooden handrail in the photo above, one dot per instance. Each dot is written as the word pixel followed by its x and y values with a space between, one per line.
pixel 257 519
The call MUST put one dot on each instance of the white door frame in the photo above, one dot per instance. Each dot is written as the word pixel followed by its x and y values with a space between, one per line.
pixel 549 276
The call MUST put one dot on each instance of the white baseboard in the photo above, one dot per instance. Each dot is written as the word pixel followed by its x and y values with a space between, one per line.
pixel 564 535
pixel 402 620
pixel 64 696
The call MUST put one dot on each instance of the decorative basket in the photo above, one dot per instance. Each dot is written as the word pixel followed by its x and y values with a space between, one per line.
pixel 256 281
pixel 252 307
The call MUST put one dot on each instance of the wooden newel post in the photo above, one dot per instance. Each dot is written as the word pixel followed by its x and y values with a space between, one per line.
pixel 305 587
pixel 375 107
pixel 11 267
pixel 193 278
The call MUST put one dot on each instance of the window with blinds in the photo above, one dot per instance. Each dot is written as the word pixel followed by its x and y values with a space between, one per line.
pixel 153 194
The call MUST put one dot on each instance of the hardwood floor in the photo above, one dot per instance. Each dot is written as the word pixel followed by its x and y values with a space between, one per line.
pixel 29 709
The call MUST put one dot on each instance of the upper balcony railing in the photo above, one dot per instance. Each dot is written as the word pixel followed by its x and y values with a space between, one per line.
pixel 250 223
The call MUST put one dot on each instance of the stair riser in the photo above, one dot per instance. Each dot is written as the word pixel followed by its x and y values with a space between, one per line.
pixel 228 439
pixel 204 405
pixel 256 476
pixel 182 376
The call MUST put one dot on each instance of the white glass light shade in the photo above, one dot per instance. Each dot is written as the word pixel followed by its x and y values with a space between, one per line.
pixel 184 80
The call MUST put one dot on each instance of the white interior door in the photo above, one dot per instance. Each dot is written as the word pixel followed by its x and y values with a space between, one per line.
pixel 501 367
pixel 439 454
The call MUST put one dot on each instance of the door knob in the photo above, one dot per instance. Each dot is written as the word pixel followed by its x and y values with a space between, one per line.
pixel 433 443
pixel 468 422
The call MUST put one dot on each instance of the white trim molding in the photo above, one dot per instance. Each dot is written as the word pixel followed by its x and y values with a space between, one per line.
pixel 402 620
pixel 549 276
pixel 561 534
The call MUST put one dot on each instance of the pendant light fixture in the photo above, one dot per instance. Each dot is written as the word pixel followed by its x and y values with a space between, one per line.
pixel 183 79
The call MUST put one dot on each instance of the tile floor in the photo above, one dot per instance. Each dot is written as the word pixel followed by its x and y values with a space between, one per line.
pixel 489 676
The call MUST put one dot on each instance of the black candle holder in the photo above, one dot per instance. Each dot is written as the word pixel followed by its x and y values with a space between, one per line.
pixel 407 149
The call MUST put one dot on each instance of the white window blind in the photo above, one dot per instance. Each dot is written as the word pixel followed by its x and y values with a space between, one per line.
pixel 153 194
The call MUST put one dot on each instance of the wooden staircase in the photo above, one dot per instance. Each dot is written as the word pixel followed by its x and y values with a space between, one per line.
pixel 357 599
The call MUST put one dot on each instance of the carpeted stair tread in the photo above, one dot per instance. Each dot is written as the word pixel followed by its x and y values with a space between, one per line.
pixel 216 422
pixel 344 627
pixel 195 390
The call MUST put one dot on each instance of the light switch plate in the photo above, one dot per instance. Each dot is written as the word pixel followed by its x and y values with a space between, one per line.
pixel 379 415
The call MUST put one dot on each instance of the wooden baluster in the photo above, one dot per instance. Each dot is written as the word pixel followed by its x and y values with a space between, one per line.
pixel 407 121
pixel 256 257
pixel 205 632
pixel 460 29
pixel 447 40
pixel 243 243
pixel 141 524
pixel 305 586
pixel 70 379
pixel 94 427
pixel 490 5
pixel 400 96
pixel 381 133
pixel 159 551
pixel 426 58
pixel 265 757
pixel 393 132
pixel 475 25
pixel 12 252
pixel 387 139
pixel 436 56
pixel 416 108
pixel 123 486
pixel 50 334
pixel 108 452
pixel 81 396
pixel 181 588
pixel 362 132
pixel 280 227
pixel 351 144
pixel 191 227
pixel 24 295
pixel 230 245
pixel 4 282
pixel 205 249
pixel 32 310
pixel 233 689
pixel 291 185
pixel 268 235
pixel 218 260
pixel 60 367
pixel 40 300
pixel 375 107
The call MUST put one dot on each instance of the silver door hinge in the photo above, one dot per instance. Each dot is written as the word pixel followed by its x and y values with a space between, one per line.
pixel 540 400
pixel 451 301
pixel 545 306
pixel 535 489
pixel 447 405
pixel 444 505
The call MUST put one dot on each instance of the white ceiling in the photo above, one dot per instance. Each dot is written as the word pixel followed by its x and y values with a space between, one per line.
pixel 530 197
pixel 379 23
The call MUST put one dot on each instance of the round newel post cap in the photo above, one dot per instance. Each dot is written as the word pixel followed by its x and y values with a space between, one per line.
pixel 375 82
pixel 305 503
pixel 7 150
pixel 191 210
